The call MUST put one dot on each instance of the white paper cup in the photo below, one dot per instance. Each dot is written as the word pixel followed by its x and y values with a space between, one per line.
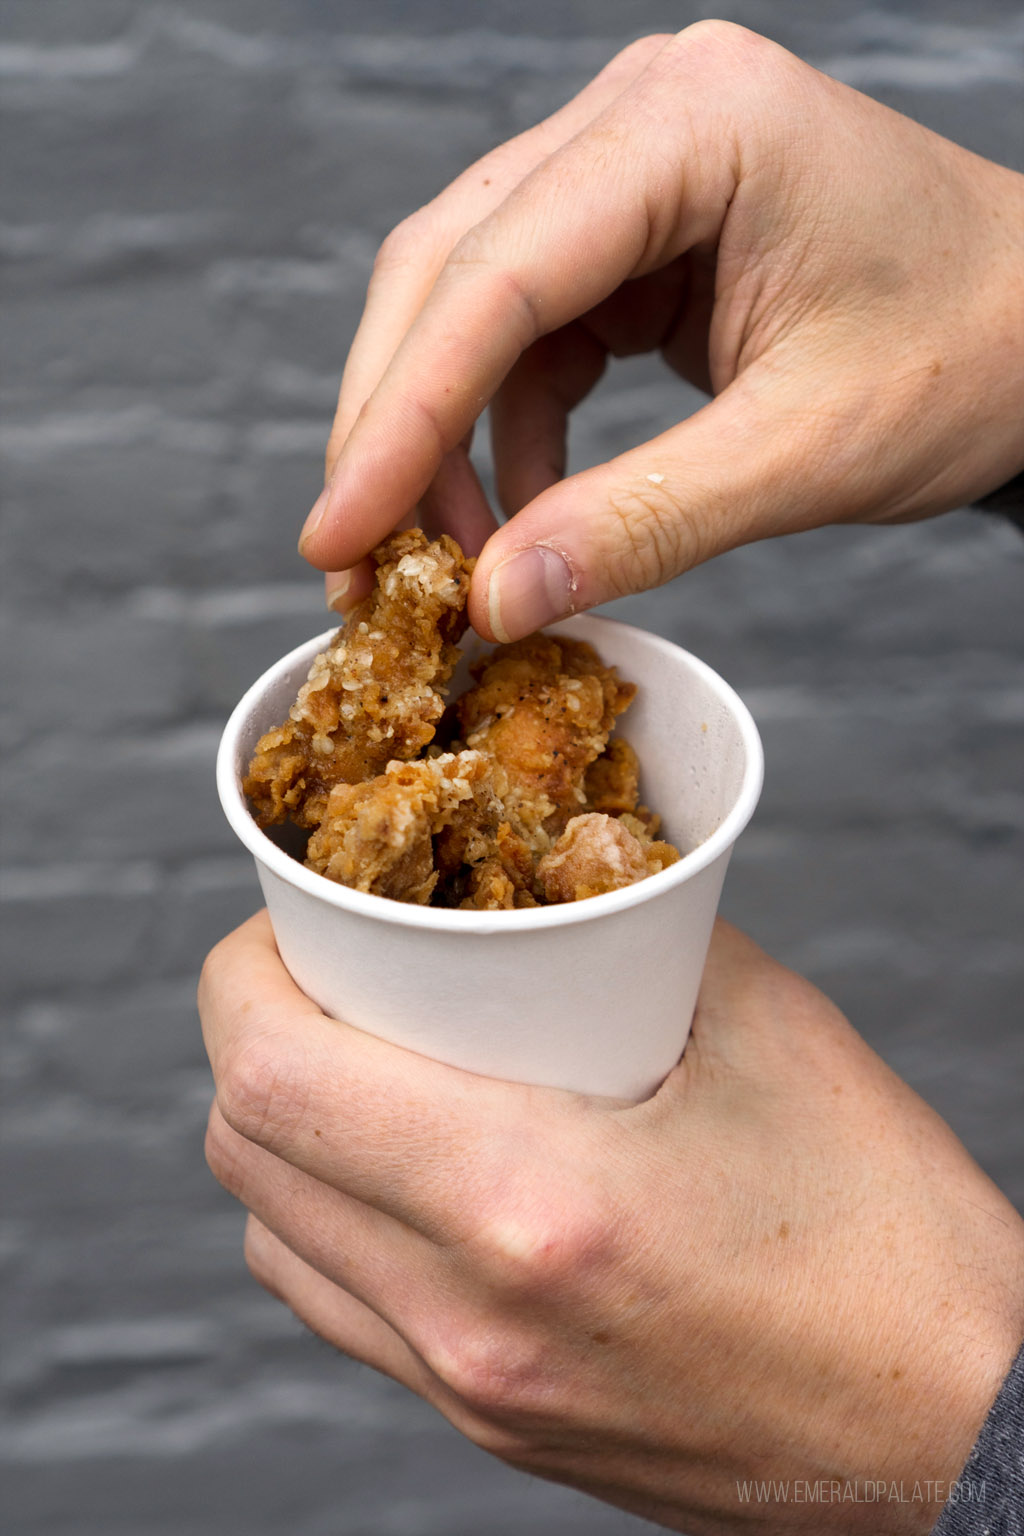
pixel 595 996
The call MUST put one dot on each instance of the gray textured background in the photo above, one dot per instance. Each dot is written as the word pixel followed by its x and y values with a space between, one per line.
pixel 193 194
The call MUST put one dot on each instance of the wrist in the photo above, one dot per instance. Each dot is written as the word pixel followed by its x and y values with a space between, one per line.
pixel 970 1337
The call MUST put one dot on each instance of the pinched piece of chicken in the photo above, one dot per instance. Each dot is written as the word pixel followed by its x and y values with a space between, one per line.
pixel 376 694
pixel 598 853
pixel 378 836
pixel 542 710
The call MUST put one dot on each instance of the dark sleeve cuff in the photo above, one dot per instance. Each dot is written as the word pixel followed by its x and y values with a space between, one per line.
pixel 988 1496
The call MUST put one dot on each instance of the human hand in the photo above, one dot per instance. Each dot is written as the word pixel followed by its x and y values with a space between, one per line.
pixel 848 285
pixel 782 1266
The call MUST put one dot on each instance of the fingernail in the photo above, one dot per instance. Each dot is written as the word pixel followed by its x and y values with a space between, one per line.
pixel 337 594
pixel 527 591
pixel 316 516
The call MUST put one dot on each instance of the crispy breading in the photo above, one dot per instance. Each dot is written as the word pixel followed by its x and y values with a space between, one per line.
pixel 542 708
pixel 490 888
pixel 598 853
pixel 378 836
pixel 533 803
pixel 612 785
pixel 479 855
pixel 612 782
pixel 376 694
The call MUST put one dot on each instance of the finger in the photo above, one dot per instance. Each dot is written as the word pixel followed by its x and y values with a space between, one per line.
pixel 384 1264
pixel 331 1312
pixel 382 1124
pixel 411 259
pixel 530 412
pixel 409 265
pixel 454 503
pixel 528 268
pixel 753 463
pixel 344 589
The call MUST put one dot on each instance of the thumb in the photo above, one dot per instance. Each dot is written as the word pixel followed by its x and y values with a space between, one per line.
pixel 751 464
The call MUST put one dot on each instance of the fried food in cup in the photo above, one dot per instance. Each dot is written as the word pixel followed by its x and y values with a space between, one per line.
pixel 534 804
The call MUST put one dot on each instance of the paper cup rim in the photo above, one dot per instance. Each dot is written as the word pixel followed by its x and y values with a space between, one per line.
pixel 455 920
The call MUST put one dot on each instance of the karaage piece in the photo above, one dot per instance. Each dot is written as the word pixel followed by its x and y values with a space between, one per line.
pixel 378 836
pixel 496 822
pixel 612 782
pixel 490 888
pixel 376 694
pixel 542 710
pixel 612 785
pixel 596 854
pixel 481 861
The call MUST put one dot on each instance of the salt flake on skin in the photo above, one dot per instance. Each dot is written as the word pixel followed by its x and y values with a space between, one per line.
pixel 656 479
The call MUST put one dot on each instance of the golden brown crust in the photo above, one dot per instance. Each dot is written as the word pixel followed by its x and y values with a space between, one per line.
pixel 612 782
pixel 598 853
pixel 542 708
pixel 534 804
pixel 378 836
pixel 376 694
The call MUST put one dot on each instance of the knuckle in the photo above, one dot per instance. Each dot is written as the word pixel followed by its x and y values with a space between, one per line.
pixel 736 56
pixel 508 297
pixel 403 245
pixel 498 1376
pixel 638 53
pixel 547 1251
pixel 259 1092
pixel 518 1256
pixel 728 39
pixel 222 1151
pixel 713 29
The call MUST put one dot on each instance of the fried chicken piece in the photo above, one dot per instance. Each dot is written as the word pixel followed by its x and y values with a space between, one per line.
pixel 598 853
pixel 612 786
pixel 481 861
pixel 542 710
pixel 378 836
pixel 612 782
pixel 375 695
pixel 492 889
pixel 493 824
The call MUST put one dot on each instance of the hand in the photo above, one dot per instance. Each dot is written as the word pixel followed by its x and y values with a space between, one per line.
pixel 783 1265
pixel 848 285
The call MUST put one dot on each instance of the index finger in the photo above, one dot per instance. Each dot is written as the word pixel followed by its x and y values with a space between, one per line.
pixel 407 266
pixel 648 178
pixel 411 259
pixel 409 1136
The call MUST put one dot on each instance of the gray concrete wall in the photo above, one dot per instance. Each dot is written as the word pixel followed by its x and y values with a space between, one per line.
pixel 193 193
